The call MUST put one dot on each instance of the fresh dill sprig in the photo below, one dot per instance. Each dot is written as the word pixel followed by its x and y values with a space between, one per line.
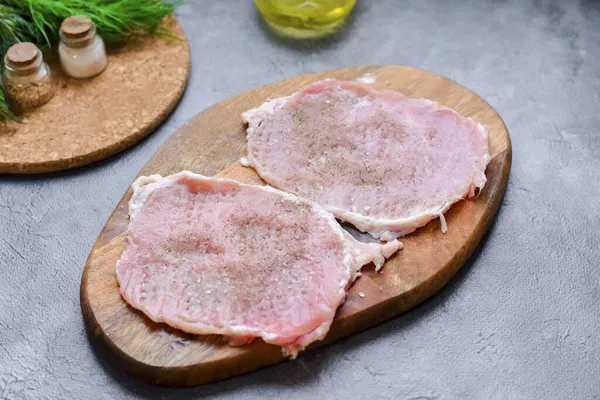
pixel 5 113
pixel 13 28
pixel 38 21
pixel 116 20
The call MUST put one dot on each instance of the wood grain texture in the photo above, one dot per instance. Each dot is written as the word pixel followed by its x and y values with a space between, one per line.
pixel 89 120
pixel 211 144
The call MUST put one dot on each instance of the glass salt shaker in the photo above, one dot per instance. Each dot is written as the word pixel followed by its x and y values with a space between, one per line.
pixel 27 79
pixel 82 52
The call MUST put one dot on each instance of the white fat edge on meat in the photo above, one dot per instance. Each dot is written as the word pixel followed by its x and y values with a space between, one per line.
pixel 244 162
pixel 377 227
pixel 443 209
pixel 291 350
pixel 378 253
pixel 443 223
pixel 356 253
pixel 367 78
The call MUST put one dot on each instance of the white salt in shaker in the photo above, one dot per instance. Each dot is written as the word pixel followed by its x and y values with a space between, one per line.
pixel 82 52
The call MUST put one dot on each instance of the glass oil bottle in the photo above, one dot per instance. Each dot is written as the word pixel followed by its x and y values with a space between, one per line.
pixel 305 19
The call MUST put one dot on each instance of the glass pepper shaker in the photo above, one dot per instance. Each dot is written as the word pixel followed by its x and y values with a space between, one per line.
pixel 82 52
pixel 27 79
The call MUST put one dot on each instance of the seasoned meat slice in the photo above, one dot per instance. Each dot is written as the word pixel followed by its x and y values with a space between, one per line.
pixel 384 162
pixel 214 256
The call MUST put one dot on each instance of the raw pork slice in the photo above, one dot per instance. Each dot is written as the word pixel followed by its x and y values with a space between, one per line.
pixel 384 162
pixel 213 256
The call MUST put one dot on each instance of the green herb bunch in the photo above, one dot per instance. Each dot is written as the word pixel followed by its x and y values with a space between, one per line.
pixel 38 21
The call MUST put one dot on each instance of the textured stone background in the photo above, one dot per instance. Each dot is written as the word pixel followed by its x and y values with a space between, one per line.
pixel 520 321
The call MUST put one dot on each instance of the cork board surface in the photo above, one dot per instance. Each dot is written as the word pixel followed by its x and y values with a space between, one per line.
pixel 89 120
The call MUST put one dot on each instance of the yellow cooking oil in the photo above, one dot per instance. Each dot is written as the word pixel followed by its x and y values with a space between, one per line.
pixel 304 19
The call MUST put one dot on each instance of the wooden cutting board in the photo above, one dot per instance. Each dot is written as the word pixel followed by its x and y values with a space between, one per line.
pixel 89 120
pixel 211 144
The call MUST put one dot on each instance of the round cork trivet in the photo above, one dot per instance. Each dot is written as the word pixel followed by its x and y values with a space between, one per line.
pixel 89 120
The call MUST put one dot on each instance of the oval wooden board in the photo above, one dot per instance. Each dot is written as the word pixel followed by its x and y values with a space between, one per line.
pixel 89 120
pixel 212 144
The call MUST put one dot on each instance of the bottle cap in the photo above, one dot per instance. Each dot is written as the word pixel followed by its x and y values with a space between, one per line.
pixel 21 55
pixel 76 26
pixel 23 58
pixel 77 31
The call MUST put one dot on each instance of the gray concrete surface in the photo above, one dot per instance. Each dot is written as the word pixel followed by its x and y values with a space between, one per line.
pixel 521 320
